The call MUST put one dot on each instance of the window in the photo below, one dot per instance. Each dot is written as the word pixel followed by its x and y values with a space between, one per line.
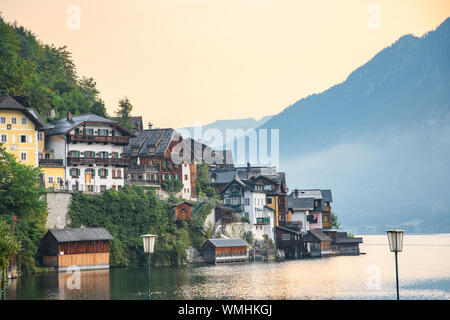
pixel 102 188
pixel 74 172
pixel 13 120
pixel 89 131
pixel 74 153
pixel 103 173
pixel 4 138
pixel 135 150
pixel 151 149
pixel 269 200
pixel 89 154
pixel 103 132
pixel 3 120
pixel 59 180
pixel 247 201
pixel 24 121
pixel 23 138
pixel 40 155
pixel 185 177
pixel 23 156
pixel 50 180
pixel 285 237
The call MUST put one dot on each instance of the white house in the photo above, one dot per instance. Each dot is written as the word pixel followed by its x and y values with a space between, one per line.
pixel 249 198
pixel 300 209
pixel 91 148
pixel 186 178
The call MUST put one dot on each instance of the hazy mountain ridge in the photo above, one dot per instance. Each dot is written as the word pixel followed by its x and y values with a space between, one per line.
pixel 380 139
pixel 223 125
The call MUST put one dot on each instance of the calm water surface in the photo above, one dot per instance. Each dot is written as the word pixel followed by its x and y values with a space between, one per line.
pixel 424 272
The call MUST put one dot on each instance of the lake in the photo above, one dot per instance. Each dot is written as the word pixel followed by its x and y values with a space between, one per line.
pixel 424 273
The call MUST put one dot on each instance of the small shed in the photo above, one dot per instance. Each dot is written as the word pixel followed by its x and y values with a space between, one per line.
pixel 182 211
pixel 318 244
pixel 290 240
pixel 84 248
pixel 225 250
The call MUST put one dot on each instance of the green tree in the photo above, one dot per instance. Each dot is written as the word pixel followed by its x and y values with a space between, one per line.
pixel 8 247
pixel 334 220
pixel 123 113
pixel 203 185
pixel 21 196
pixel 43 76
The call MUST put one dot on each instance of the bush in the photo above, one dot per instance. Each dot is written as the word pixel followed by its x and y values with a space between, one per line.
pixel 129 213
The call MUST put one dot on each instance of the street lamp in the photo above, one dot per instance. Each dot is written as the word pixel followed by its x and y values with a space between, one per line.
pixel 395 238
pixel 149 245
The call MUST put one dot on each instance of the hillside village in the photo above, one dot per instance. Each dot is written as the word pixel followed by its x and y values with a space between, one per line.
pixel 91 154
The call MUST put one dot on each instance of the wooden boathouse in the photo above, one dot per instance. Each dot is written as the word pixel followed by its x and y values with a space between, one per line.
pixel 84 248
pixel 318 244
pixel 225 251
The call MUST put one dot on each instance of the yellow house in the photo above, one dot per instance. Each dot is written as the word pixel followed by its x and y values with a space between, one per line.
pixel 22 133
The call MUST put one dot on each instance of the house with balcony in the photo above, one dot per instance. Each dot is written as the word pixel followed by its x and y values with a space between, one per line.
pixel 249 199
pixel 319 216
pixel 274 185
pixel 90 148
pixel 150 158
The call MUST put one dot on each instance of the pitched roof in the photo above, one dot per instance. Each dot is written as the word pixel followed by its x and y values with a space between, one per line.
pixel 318 194
pixel 80 234
pixel 342 237
pixel 157 138
pixel 319 235
pixel 222 176
pixel 301 203
pixel 181 202
pixel 234 242
pixel 245 183
pixel 9 103
pixel 62 125
pixel 326 195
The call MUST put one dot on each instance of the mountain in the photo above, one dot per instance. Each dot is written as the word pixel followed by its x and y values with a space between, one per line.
pixel 222 125
pixel 380 139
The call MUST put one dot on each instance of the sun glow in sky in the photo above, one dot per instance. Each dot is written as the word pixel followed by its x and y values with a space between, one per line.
pixel 181 61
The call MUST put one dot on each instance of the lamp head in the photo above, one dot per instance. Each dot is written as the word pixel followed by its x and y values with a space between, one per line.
pixel 149 242
pixel 395 238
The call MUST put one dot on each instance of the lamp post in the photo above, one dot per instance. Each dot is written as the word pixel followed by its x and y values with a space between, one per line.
pixel 395 238
pixel 149 245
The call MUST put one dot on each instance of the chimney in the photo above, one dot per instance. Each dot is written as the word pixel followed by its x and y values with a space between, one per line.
pixel 150 125
pixel 69 116
pixel 296 193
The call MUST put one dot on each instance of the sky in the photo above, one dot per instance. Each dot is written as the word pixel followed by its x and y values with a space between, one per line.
pixel 184 61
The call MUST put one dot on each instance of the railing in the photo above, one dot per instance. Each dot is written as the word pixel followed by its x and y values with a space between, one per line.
pixel 265 220
pixel 235 207
pixel 143 182
pixel 137 168
pixel 98 139
pixel 50 162
pixel 104 161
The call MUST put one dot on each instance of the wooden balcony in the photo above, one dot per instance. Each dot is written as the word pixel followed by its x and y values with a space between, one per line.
pixel 120 140
pixel 51 162
pixel 121 162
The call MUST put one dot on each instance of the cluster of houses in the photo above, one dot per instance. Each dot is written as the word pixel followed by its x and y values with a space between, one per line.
pixel 92 154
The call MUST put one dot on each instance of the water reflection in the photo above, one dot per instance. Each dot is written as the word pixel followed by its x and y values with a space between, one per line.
pixel 424 270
